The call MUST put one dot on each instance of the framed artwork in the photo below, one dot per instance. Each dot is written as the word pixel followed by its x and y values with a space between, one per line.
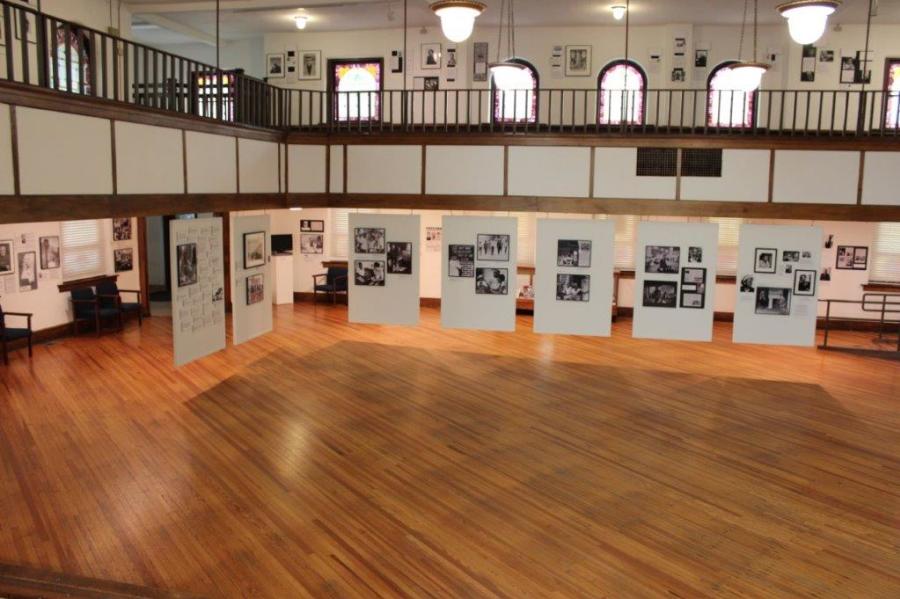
pixel 693 297
pixel 310 65
pixel 663 259
pixel 693 275
pixel 480 61
pixel 186 260
pixel 765 260
pixel 7 262
pixel 774 301
pixel 695 254
pixel 573 288
pixel 312 226
pixel 312 243
pixel 491 281
pixel 804 282
pixel 578 61
pixel 399 257
pixel 49 252
pixel 747 284
pixel 573 252
pixel 256 290
pixel 431 84
pixel 30 24
pixel 461 261
pixel 121 229
pixel 660 294
pixel 430 58
pixel 123 259
pixel 254 249
pixel 790 256
pixel 493 248
pixel 275 66
pixel 369 273
pixel 368 240
pixel 28 280
pixel 852 257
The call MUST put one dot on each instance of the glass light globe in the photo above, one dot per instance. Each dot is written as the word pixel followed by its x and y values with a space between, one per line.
pixel 508 76
pixel 457 18
pixel 300 21
pixel 618 11
pixel 747 76
pixel 807 22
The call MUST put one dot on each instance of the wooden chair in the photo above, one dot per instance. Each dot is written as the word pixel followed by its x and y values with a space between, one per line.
pixel 111 297
pixel 335 282
pixel 86 307
pixel 10 334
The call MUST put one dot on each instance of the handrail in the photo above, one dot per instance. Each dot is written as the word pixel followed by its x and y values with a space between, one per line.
pixel 70 58
pixel 881 306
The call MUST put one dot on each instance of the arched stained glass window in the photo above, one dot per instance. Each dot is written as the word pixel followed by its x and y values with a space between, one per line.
pixel 622 88
pixel 726 105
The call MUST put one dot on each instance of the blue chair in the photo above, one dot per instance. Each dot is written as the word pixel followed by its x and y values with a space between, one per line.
pixel 9 334
pixel 111 297
pixel 86 307
pixel 335 282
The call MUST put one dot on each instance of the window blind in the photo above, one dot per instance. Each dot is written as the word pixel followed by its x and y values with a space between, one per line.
pixel 625 238
pixel 728 244
pixel 340 223
pixel 83 249
pixel 527 235
pixel 886 254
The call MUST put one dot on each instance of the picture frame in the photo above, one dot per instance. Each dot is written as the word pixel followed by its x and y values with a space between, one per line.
pixel 480 61
pixel 693 275
pixel 660 294
pixel 369 240
pixel 310 65
pixel 275 67
pixel 765 260
pixel 30 24
pixel 312 243
pixel 369 273
pixel 851 257
pixel 7 257
pixel 578 61
pixel 492 247
pixel 662 259
pixel 28 277
pixel 773 301
pixel 573 287
pixel 186 263
pixel 491 281
pixel 461 261
pixel 312 226
pixel 399 258
pixel 123 259
pixel 805 282
pixel 430 57
pixel 431 84
pixel 121 229
pixel 256 290
pixel 254 249
pixel 575 253
pixel 694 299
pixel 49 247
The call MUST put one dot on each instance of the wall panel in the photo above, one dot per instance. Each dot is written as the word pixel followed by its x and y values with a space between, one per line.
pixel 7 186
pixel 816 177
pixel 745 178
pixel 258 166
pixel 384 169
pixel 307 168
pixel 551 172
pixel 614 177
pixel 149 159
pixel 464 170
pixel 211 163
pixel 881 175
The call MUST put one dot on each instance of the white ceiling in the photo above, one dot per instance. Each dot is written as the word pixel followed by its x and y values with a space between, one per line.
pixel 243 19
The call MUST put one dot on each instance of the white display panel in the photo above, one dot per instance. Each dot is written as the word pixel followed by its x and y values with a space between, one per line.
pixel 198 288
pixel 565 302
pixel 771 317
pixel 461 306
pixel 383 269
pixel 251 306
pixel 675 280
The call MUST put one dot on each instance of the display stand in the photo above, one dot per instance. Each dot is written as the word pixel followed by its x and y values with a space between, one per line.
pixel 283 267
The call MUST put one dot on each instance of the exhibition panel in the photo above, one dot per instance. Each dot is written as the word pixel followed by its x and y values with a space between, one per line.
pixel 252 284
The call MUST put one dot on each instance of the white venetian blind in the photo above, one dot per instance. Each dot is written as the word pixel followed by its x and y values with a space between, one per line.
pixel 527 233
pixel 626 230
pixel 728 244
pixel 83 249
pixel 886 254
pixel 340 223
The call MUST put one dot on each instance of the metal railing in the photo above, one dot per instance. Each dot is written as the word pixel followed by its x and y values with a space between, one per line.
pixel 883 304
pixel 51 53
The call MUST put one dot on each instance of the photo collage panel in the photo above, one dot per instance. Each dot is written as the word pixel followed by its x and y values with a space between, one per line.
pixel 778 275
pixel 488 247
pixel 396 257
pixel 573 254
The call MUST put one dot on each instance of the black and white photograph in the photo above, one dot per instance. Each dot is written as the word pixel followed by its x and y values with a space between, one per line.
pixel 825 275
pixel 695 255
pixel 431 84
pixel 701 58
pixel 186 260
pixel 491 281
pixel 694 298
pixel 123 259
pixel 678 74
pixel 310 65
pixel 660 294
pixel 312 243
pixel 275 66
pixel 369 273
pixel 28 280
pixel 804 282
pixel 312 226
pixel 788 268
pixel 367 240
pixel 573 288
pixel 254 249
pixel 852 257
pixel 790 256
pixel 493 248
pixel 578 61
pixel 747 284
pixel 431 57
pixel 693 275
pixel 765 260
pixel 826 55
pixel 461 261
pixel 49 247
pixel 573 252
pixel 7 264
pixel 662 259
pixel 256 291
pixel 121 229
pixel 399 258
pixel 775 301
pixel 806 255
pixel 808 63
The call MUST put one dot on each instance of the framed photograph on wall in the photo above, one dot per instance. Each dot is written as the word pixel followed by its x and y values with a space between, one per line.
pixel 275 66
pixel 491 281
pixel 480 61
pixel 573 288
pixel 186 261
pixel 493 248
pixel 573 252
pixel 430 58
pixel 662 259
pixel 804 282
pixel 254 249
pixel 399 257
pixel 578 61
pixel 310 65
pixel 461 261
pixel 368 240
pixel 28 280
pixel 49 252
pixel 852 257
pixel 121 229
pixel 256 291
pixel 123 259
pixel 660 294
pixel 30 23
pixel 765 260
pixel 369 273
pixel 7 261
pixel 774 301
pixel 312 226
pixel 312 243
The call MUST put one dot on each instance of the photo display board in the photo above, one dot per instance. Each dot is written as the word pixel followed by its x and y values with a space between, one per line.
pixel 384 269
pixel 573 279
pixel 777 284
pixel 675 280
pixel 251 298
pixel 478 273
pixel 198 288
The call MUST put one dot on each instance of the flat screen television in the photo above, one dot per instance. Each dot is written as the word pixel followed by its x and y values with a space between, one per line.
pixel 282 245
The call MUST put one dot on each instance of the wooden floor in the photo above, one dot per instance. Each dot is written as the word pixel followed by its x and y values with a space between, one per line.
pixel 334 460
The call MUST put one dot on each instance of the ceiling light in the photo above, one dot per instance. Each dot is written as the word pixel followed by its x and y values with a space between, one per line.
pixel 457 17
pixel 807 19
pixel 747 76
pixel 618 11
pixel 300 21
pixel 507 75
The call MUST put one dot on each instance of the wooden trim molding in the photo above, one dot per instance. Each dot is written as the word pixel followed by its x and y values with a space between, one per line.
pixel 86 282
pixel 14 146
pixel 884 287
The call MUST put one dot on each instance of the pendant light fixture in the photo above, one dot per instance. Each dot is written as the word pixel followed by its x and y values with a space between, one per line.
pixel 618 11
pixel 507 73
pixel 807 19
pixel 457 17
pixel 747 75
pixel 300 21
